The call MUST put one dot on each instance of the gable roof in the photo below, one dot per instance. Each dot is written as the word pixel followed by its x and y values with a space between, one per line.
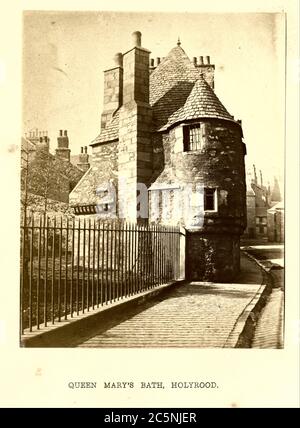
pixel 178 92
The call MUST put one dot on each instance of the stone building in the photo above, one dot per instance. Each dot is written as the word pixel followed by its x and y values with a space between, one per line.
pixel 275 218
pixel 48 178
pixel 276 215
pixel 165 133
pixel 260 214
pixel 258 202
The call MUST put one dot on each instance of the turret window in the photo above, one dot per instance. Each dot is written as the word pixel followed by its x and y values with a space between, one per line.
pixel 210 199
pixel 193 137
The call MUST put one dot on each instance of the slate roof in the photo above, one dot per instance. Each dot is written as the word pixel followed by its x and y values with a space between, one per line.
pixel 201 102
pixel 110 133
pixel 178 92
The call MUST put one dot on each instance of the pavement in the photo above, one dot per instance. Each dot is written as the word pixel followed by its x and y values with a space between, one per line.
pixel 269 329
pixel 194 314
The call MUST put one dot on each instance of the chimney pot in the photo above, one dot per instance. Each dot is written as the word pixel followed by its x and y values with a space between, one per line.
pixel 60 133
pixel 152 62
pixel 118 59
pixel 157 61
pixel 207 60
pixel 137 38
pixel 195 60
pixel 65 133
pixel 85 149
pixel 201 62
pixel 81 149
pixel 41 139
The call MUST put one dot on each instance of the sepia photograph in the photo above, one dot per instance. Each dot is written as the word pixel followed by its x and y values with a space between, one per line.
pixel 150 213
pixel 152 189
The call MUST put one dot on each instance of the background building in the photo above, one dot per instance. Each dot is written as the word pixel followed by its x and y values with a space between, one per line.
pixel 47 179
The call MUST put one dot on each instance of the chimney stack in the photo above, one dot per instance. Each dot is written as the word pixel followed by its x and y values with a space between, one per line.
pixel 113 89
pixel 137 39
pixel 63 151
pixel 118 59
pixel 135 131
pixel 206 68
pixel 83 163
pixel 136 72
pixel 152 66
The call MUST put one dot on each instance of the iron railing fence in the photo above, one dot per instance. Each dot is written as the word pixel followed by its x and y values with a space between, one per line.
pixel 70 266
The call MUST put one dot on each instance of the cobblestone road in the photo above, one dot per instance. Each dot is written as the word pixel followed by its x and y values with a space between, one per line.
pixel 192 315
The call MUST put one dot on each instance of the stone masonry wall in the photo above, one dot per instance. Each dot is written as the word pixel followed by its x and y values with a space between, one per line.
pixel 103 169
pixel 219 164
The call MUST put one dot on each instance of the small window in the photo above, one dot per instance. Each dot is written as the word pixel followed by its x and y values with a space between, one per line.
pixel 192 137
pixel 210 199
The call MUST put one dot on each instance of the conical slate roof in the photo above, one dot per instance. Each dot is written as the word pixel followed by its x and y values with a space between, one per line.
pixel 202 102
pixel 178 91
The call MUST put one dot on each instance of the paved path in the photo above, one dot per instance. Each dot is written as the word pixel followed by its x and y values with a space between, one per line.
pixel 269 330
pixel 196 314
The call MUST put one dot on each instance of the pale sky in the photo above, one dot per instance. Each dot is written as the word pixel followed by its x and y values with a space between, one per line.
pixel 65 54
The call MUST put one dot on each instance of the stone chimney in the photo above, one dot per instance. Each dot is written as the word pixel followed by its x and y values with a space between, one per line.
pixel 63 152
pixel 113 88
pixel 207 69
pixel 83 163
pixel 43 144
pixel 136 72
pixel 135 148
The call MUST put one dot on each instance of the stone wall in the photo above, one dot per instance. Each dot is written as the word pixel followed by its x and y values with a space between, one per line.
pixel 275 221
pixel 220 165
pixel 104 169
pixel 214 257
